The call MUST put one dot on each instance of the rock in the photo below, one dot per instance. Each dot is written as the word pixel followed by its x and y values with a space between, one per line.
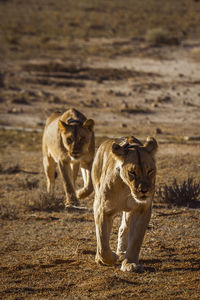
pixel 192 138
pixel 164 99
pixel 158 131
pixel 123 125
pixel 124 105
pixel 15 110
pixel 154 105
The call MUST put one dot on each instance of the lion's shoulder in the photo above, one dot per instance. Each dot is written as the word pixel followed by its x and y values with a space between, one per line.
pixel 52 117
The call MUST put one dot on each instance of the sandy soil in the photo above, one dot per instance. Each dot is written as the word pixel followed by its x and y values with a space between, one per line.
pixel 48 253
pixel 126 92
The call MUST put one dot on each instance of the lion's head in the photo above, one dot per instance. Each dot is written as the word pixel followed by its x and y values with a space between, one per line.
pixel 76 136
pixel 137 166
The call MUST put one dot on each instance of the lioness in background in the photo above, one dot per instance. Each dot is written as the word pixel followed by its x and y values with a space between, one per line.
pixel 68 142
pixel 123 174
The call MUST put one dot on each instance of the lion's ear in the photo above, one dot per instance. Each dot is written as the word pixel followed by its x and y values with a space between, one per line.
pixel 62 125
pixel 151 145
pixel 118 150
pixel 132 140
pixel 89 124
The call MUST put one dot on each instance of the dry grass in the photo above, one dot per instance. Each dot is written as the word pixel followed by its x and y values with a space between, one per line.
pixel 160 36
pixel 41 201
pixel 13 169
pixel 53 27
pixel 9 211
pixel 48 252
pixel 135 110
pixel 28 183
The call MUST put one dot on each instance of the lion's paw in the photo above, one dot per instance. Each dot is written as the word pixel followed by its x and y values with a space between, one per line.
pixel 108 258
pixel 131 267
pixel 81 193
pixel 121 255
pixel 72 201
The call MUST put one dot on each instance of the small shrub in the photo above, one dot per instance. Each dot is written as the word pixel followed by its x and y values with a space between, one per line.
pixel 41 201
pixel 135 110
pixel 186 193
pixel 29 184
pixel 10 170
pixel 21 100
pixel 159 36
pixel 8 211
pixel 2 81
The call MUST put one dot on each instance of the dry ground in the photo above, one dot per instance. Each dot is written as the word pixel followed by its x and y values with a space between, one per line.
pixel 54 58
pixel 49 253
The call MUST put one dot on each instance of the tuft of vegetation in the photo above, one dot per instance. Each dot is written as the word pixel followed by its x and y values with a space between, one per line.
pixel 186 193
pixel 8 211
pixel 160 36
pixel 55 28
pixel 27 141
pixel 135 110
pixel 10 170
pixel 28 183
pixel 2 83
pixel 42 201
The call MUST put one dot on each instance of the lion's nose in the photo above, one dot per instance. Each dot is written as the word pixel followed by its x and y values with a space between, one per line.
pixel 75 152
pixel 143 188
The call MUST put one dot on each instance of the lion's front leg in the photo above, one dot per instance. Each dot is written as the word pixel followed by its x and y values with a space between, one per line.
pixel 88 186
pixel 138 224
pixel 74 173
pixel 66 171
pixel 49 168
pixel 123 235
pixel 103 223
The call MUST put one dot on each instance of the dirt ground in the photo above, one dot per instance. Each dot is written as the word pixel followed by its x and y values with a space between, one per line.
pixel 129 87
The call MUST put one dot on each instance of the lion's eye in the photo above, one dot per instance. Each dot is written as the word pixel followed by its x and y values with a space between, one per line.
pixel 69 140
pixel 132 174
pixel 150 172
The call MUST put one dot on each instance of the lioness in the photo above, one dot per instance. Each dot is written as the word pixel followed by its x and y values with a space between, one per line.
pixel 68 141
pixel 123 174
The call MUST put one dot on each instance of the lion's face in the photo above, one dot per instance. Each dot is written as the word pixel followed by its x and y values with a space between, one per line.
pixel 137 168
pixel 76 138
pixel 139 176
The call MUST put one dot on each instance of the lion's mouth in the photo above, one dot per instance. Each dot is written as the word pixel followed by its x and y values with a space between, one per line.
pixel 142 198
pixel 75 155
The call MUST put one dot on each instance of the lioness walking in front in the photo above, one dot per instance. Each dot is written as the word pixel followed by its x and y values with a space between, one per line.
pixel 68 142
pixel 123 174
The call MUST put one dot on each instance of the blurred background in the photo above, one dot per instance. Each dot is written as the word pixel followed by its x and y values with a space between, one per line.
pixel 47 28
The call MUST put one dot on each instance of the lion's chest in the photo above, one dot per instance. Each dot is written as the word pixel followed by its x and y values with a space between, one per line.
pixel 116 193
pixel 118 197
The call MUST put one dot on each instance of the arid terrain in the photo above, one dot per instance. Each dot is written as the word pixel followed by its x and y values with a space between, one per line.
pixel 105 59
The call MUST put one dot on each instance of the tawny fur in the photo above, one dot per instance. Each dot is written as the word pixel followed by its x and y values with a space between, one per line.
pixel 123 175
pixel 68 143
